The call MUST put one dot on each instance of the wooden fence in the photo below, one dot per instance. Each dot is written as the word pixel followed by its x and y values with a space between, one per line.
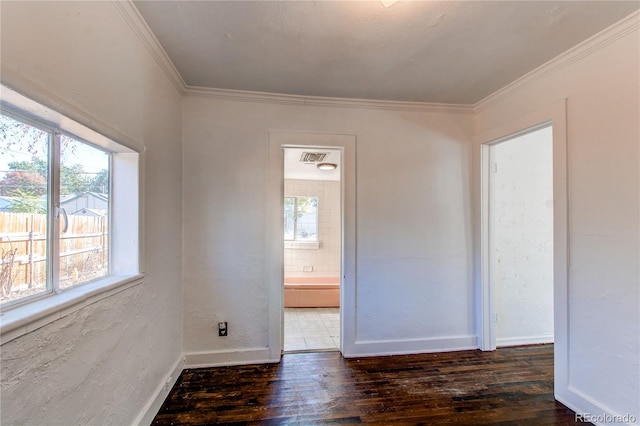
pixel 84 252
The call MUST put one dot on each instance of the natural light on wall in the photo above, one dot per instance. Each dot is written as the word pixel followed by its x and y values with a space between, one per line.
pixel 69 213
pixel 388 3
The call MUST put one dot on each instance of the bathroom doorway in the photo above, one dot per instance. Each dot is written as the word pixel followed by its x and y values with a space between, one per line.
pixel 312 258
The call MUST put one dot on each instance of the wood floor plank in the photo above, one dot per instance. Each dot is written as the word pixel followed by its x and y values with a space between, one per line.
pixel 510 386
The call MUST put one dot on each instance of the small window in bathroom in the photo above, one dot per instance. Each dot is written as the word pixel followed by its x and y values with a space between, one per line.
pixel 301 218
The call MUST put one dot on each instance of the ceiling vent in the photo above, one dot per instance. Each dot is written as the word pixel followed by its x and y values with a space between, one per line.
pixel 313 157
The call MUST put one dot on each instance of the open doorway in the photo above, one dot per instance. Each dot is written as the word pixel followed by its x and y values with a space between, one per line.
pixel 521 238
pixel 312 257
pixel 553 116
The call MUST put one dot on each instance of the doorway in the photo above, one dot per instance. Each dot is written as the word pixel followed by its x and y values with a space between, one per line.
pixel 554 115
pixel 274 241
pixel 312 255
pixel 521 238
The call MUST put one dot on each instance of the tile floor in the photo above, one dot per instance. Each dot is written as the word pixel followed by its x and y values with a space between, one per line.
pixel 311 329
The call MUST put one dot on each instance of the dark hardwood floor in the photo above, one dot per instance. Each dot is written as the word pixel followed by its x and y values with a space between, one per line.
pixel 511 386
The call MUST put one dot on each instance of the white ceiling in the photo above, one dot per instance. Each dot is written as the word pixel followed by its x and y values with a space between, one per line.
pixel 454 52
pixel 295 169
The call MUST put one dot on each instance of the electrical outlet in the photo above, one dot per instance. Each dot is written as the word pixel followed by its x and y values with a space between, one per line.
pixel 222 328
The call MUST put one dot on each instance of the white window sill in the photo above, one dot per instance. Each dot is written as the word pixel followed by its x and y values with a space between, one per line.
pixel 24 319
pixel 304 245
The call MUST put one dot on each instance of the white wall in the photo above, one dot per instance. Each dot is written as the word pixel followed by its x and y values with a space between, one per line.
pixel 522 238
pixel 414 252
pixel 603 107
pixel 103 363
pixel 414 260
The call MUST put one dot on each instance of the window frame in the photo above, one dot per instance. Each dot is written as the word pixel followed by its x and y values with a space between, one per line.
pixel 54 202
pixel 56 171
pixel 48 285
pixel 125 212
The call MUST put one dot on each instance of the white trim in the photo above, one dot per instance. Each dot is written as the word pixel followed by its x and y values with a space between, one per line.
pixel 582 403
pixel 487 341
pixel 38 101
pixel 153 405
pixel 502 342
pixel 20 320
pixel 134 19
pixel 125 215
pixel 274 247
pixel 583 49
pixel 555 113
pixel 141 211
pixel 488 338
pixel 574 54
pixel 132 16
pixel 231 357
pixel 288 99
pixel 275 232
pixel 413 346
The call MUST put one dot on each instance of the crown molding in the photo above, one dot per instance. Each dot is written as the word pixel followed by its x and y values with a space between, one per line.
pixel 320 101
pixel 143 32
pixel 139 26
pixel 574 54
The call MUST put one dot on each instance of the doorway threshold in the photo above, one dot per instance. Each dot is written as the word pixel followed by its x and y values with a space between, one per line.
pixel 308 351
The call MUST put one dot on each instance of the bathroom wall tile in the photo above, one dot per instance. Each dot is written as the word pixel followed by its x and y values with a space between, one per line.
pixel 326 259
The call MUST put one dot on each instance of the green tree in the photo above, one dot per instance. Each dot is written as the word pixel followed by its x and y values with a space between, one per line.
pixel 306 205
pixel 100 182
pixel 17 135
pixel 17 183
pixel 36 165
pixel 27 203
pixel 73 179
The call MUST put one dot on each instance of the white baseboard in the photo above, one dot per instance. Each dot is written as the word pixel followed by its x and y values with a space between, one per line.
pixel 412 346
pixel 526 340
pixel 152 407
pixel 593 411
pixel 226 358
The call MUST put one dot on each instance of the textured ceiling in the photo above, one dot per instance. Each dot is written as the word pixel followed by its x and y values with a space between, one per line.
pixel 430 51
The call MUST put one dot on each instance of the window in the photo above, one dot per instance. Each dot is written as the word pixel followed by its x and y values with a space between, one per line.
pixel 301 218
pixel 68 210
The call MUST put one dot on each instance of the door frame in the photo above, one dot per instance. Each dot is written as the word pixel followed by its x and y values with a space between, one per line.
pixel 488 247
pixel 278 140
pixel 556 115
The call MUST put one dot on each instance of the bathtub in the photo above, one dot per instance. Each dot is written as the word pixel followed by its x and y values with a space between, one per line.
pixel 311 292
